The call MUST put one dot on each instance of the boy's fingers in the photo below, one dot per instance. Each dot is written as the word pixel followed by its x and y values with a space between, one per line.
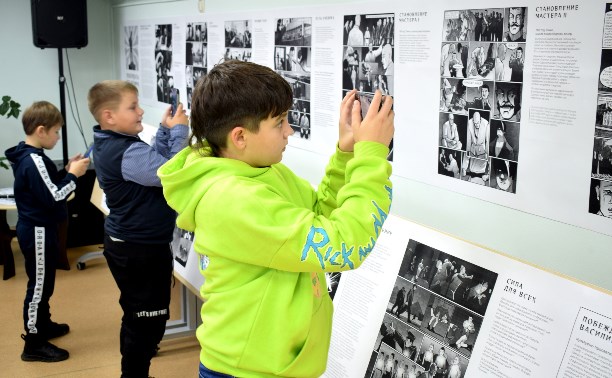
pixel 345 107
pixel 387 106
pixel 375 104
pixel 356 114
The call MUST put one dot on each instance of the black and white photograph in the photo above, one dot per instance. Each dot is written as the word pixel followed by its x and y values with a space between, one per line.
pixel 440 360
pixel 238 53
pixel 454 59
pixel 605 71
pixel 515 27
pixel 453 131
pixel 503 175
pixel 293 61
pixel 481 60
pixel 196 32
pixel 368 53
pixel 603 115
pixel 479 94
pixel 293 32
pixel 399 336
pixel 509 61
pixel 504 140
pixel 600 199
pixel 369 29
pixel 508 101
pixel 453 96
pixel 387 362
pixel 475 165
pixel 459 25
pixel 163 62
pixel 602 159
pixel 238 34
pixel 182 241
pixel 449 162
pixel 130 44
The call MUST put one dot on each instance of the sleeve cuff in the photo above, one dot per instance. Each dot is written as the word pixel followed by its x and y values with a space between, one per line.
pixel 371 149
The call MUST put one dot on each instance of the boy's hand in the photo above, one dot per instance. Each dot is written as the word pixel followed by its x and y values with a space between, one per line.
pixel 346 142
pixel 378 125
pixel 79 167
pixel 180 118
pixel 76 157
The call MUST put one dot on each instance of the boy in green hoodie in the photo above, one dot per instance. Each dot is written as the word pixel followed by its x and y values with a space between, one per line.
pixel 268 235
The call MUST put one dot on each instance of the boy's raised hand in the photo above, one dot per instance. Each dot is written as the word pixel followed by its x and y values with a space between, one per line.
pixel 179 118
pixel 378 125
pixel 346 142
pixel 79 167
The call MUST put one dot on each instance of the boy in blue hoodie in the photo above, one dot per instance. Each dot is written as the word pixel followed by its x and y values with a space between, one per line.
pixel 40 194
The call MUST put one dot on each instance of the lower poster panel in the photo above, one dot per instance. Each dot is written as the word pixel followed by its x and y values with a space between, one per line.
pixel 425 304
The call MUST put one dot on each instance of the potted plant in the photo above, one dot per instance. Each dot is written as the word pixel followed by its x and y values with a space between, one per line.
pixel 8 108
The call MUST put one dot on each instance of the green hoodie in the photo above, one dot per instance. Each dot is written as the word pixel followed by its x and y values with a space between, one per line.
pixel 269 238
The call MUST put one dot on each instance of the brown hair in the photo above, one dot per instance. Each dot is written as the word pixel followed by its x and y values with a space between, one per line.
pixel 235 93
pixel 107 94
pixel 41 113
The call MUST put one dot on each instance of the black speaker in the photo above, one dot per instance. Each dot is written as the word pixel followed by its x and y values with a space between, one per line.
pixel 59 23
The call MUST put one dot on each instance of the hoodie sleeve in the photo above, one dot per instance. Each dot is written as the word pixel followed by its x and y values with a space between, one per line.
pixel 140 161
pixel 335 233
pixel 327 194
pixel 43 187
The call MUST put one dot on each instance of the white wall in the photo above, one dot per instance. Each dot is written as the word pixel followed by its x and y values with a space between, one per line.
pixel 30 74
pixel 559 247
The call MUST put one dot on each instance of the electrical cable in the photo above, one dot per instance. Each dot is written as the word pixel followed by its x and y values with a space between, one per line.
pixel 72 108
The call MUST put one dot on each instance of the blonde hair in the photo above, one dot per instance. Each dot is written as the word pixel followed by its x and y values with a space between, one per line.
pixel 107 94
pixel 41 113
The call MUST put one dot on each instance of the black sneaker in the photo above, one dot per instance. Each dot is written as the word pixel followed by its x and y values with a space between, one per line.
pixel 53 330
pixel 36 349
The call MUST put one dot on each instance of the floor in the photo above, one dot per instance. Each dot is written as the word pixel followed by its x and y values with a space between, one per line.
pixel 88 301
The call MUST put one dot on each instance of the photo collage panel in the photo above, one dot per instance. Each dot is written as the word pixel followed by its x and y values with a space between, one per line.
pixel 163 61
pixel 238 41
pixel 433 316
pixel 481 84
pixel 368 57
pixel 600 197
pixel 196 61
pixel 292 60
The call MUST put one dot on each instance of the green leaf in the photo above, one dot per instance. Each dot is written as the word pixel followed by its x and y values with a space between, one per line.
pixel 13 113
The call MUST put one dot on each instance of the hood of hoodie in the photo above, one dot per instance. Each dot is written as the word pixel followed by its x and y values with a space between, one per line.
pixel 17 153
pixel 188 176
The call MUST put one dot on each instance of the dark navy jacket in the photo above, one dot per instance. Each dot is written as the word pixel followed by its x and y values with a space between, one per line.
pixel 40 192
pixel 126 168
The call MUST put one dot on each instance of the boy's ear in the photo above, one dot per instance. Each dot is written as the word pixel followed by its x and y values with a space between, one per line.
pixel 237 138
pixel 107 117
pixel 39 130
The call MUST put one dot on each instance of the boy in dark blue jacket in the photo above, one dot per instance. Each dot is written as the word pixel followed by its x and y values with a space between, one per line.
pixel 40 194
pixel 139 228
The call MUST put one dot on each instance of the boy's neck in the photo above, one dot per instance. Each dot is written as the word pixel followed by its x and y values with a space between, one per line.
pixel 31 140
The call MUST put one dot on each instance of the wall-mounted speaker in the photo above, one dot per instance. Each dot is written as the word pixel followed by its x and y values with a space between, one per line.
pixel 59 23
